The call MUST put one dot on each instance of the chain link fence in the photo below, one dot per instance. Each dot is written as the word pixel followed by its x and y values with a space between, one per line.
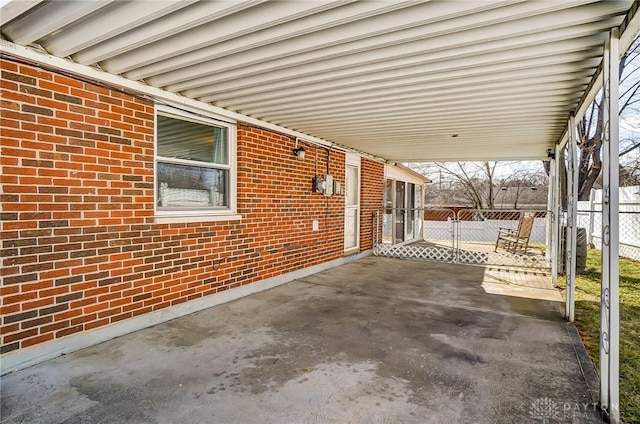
pixel 469 236
pixel 590 222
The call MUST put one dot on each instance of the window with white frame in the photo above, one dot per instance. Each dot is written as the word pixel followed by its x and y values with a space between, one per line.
pixel 193 163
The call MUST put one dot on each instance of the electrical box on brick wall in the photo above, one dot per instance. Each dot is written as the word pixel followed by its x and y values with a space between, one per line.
pixel 319 184
pixel 324 184
pixel 337 187
pixel 328 190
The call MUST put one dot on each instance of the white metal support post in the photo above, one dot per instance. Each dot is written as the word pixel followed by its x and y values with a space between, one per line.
pixel 552 206
pixel 555 253
pixel 572 218
pixel 549 220
pixel 610 306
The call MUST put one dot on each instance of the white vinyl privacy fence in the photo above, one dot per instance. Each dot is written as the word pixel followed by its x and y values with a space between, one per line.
pixel 590 218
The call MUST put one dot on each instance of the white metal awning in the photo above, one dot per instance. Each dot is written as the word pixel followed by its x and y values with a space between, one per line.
pixel 402 80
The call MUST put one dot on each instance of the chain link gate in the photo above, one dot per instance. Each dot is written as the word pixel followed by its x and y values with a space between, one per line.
pixel 502 237
pixel 514 238
pixel 439 246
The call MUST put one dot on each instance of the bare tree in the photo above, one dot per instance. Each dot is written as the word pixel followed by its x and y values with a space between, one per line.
pixel 630 174
pixel 476 179
pixel 525 187
pixel 481 184
pixel 591 126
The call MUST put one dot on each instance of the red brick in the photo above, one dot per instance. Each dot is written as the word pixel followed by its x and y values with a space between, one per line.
pixel 36 72
pixel 92 179
pixel 96 324
pixel 36 340
pixel 48 85
pixel 66 81
pixel 69 331
pixel 19 336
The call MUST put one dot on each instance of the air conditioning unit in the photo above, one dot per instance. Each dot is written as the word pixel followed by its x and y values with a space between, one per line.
pixel 581 251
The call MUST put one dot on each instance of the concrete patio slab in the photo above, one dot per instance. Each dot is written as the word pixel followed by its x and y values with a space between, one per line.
pixel 379 340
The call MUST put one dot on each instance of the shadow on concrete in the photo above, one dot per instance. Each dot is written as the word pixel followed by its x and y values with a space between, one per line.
pixel 379 340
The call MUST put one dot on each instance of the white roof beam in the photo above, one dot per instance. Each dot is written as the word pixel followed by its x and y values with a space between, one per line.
pixel 440 126
pixel 461 130
pixel 226 71
pixel 480 140
pixel 629 30
pixel 426 107
pixel 545 109
pixel 496 80
pixel 321 21
pixel 542 117
pixel 50 17
pixel 517 88
pixel 323 44
pixel 110 23
pixel 473 142
pixel 264 16
pixel 427 103
pixel 381 133
pixel 343 65
pixel 12 9
pixel 630 27
pixel 464 152
pixel 562 63
pixel 366 132
pixel 473 138
pixel 168 26
pixel 476 142
pixel 477 92
pixel 378 76
pixel 504 155
pixel 381 63
pixel 401 27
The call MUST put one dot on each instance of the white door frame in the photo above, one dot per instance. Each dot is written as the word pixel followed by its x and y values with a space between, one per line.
pixel 352 160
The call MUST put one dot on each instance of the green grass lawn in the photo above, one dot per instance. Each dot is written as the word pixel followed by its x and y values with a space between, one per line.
pixel 588 323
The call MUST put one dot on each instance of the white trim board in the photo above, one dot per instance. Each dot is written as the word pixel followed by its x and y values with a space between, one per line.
pixel 395 173
pixel 23 358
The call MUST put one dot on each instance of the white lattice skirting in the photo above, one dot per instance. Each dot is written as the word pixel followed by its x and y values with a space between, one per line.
pixel 453 255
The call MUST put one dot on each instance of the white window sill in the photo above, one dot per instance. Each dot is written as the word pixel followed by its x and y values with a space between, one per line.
pixel 189 218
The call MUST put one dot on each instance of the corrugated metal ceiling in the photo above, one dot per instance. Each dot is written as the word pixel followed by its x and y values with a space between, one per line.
pixel 396 79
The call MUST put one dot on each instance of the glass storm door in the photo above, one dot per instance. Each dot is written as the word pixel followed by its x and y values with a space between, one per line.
pixel 352 204
pixel 400 211
pixel 411 205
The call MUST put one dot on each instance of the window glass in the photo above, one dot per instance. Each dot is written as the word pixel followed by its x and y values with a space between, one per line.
pixel 186 185
pixel 400 211
pixel 352 185
pixel 183 139
pixel 418 213
pixel 388 196
pixel 192 164
pixel 411 204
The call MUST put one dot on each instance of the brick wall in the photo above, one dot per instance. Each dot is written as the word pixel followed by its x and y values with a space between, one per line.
pixel 278 207
pixel 371 201
pixel 80 249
